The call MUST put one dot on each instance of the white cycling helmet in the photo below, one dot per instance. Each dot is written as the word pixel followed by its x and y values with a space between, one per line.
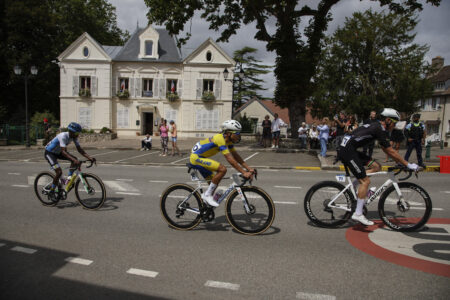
pixel 231 125
pixel 391 113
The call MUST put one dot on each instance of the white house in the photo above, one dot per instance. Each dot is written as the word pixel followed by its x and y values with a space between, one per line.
pixel 130 88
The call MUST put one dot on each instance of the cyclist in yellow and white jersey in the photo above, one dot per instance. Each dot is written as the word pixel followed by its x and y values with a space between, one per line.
pixel 213 170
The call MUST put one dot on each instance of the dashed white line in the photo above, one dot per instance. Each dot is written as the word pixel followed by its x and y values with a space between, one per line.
pixel 128 158
pixel 174 162
pixel 158 181
pixel 269 170
pixel 13 173
pixel 309 296
pixel 335 172
pixel 20 185
pixel 104 153
pixel 24 250
pixel 123 179
pixel 129 193
pixel 285 202
pixel 423 208
pixel 251 156
pixel 447 192
pixel 222 285
pixel 144 273
pixel 80 261
pixel 302 171
pixel 287 187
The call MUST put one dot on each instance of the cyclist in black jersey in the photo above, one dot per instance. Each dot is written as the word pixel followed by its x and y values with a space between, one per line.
pixel 357 160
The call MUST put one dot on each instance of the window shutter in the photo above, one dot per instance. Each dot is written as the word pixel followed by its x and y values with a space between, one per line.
pixel 180 87
pixel 75 84
pixel 113 87
pixel 199 88
pixel 138 87
pixel 131 89
pixel 217 88
pixel 94 86
pixel 155 88
pixel 162 88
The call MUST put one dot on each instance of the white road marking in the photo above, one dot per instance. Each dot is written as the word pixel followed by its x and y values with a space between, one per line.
pixel 269 170
pixel 423 208
pixel 140 272
pixel 31 180
pixel 128 158
pixel 13 173
pixel 287 187
pixel 120 186
pixel 158 181
pixel 24 250
pixel 284 202
pixel 302 171
pixel 174 162
pixel 21 185
pixel 104 153
pixel 308 296
pixel 122 179
pixel 126 193
pixel 80 261
pixel 335 172
pixel 447 192
pixel 222 285
pixel 251 156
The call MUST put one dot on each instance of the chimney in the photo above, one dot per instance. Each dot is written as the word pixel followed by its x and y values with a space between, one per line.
pixel 437 63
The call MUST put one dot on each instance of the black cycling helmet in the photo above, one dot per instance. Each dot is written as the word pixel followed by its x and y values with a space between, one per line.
pixel 74 127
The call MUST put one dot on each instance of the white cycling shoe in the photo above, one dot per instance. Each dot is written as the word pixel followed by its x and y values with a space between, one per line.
pixel 362 219
pixel 210 200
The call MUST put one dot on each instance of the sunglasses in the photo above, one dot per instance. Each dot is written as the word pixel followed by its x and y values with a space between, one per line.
pixel 236 132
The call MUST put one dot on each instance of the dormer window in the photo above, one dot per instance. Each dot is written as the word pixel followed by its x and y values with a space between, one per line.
pixel 440 85
pixel 148 48
pixel 208 56
pixel 86 52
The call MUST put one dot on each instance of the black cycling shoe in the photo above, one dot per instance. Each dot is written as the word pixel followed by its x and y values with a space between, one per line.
pixel 52 196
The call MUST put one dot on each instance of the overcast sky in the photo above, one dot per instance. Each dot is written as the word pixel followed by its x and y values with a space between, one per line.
pixel 433 29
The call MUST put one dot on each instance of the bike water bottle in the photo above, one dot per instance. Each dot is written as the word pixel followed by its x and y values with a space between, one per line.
pixel 71 180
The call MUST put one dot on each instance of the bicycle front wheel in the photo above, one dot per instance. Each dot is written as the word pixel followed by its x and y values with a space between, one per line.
pixel 42 185
pixel 180 206
pixel 408 214
pixel 91 193
pixel 259 216
pixel 316 204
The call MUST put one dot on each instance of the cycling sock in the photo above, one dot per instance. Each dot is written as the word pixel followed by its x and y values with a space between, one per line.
pixel 211 189
pixel 360 206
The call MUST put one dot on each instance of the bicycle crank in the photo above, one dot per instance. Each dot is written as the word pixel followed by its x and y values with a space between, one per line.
pixel 207 214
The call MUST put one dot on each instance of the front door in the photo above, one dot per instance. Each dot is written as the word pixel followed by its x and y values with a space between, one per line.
pixel 148 123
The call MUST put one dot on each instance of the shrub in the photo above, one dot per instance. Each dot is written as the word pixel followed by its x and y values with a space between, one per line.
pixel 208 96
pixel 172 96
pixel 125 94
pixel 105 130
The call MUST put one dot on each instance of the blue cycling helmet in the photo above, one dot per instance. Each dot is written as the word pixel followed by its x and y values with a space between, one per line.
pixel 74 127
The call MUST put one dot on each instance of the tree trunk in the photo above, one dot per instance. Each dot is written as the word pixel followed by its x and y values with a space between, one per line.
pixel 296 114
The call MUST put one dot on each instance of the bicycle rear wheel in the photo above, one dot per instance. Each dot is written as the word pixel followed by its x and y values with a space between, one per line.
pixel 408 215
pixel 91 193
pixel 316 204
pixel 42 185
pixel 180 214
pixel 261 215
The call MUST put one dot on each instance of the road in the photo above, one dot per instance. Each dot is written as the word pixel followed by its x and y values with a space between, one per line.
pixel 127 251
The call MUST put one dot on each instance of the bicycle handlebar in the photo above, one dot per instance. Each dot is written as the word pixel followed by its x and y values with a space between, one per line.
pixel 94 161
pixel 398 169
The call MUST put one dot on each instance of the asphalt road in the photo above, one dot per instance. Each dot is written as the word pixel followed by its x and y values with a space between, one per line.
pixel 127 251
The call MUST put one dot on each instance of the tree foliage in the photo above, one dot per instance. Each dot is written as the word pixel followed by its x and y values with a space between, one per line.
pixel 35 32
pixel 297 50
pixel 371 63
pixel 249 86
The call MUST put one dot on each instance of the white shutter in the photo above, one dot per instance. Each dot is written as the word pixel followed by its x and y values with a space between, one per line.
pixel 131 89
pixel 162 88
pixel 138 87
pixel 122 118
pixel 171 114
pixel 199 88
pixel 155 88
pixel 94 86
pixel 180 87
pixel 75 84
pixel 113 86
pixel 217 88
pixel 84 117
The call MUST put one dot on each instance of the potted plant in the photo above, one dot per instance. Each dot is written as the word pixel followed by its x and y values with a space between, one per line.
pixel 208 96
pixel 84 92
pixel 172 96
pixel 123 94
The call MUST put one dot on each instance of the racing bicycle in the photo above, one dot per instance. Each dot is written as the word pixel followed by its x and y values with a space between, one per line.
pixel 89 188
pixel 249 209
pixel 402 206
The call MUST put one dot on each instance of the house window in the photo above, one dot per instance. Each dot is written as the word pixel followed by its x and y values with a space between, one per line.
pixel 86 51
pixel 207 119
pixel 85 82
pixel 208 85
pixel 432 129
pixel 172 85
pixel 439 85
pixel 434 102
pixel 147 87
pixel 123 84
pixel 148 48
pixel 84 117
pixel 208 56
pixel 122 118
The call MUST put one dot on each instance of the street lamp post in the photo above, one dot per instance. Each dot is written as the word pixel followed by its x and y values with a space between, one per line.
pixel 33 71
pixel 241 75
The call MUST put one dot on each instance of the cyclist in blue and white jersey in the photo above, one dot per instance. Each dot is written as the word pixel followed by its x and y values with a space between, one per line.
pixel 57 149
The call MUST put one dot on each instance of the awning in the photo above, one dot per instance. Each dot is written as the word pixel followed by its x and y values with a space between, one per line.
pixel 146 106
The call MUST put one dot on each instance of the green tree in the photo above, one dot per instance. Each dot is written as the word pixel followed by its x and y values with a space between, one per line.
pixel 371 63
pixel 297 51
pixel 249 86
pixel 35 32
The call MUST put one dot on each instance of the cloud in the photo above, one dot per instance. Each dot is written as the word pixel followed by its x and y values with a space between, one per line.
pixel 431 30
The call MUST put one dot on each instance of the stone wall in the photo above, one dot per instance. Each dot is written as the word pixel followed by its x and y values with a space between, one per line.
pixel 96 137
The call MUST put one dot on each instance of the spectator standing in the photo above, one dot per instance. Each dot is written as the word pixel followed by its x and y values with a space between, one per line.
pixel 351 125
pixel 415 134
pixel 174 134
pixel 340 122
pixel 266 134
pixel 164 134
pixel 368 149
pixel 313 136
pixel 302 131
pixel 146 143
pixel 324 132
pixel 276 124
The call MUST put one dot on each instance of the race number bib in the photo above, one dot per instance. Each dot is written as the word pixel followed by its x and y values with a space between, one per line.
pixel 345 140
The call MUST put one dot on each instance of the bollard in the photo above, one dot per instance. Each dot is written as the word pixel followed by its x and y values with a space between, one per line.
pixel 441 144
pixel 428 147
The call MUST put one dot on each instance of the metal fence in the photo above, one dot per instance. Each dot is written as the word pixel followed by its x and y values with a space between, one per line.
pixel 15 134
